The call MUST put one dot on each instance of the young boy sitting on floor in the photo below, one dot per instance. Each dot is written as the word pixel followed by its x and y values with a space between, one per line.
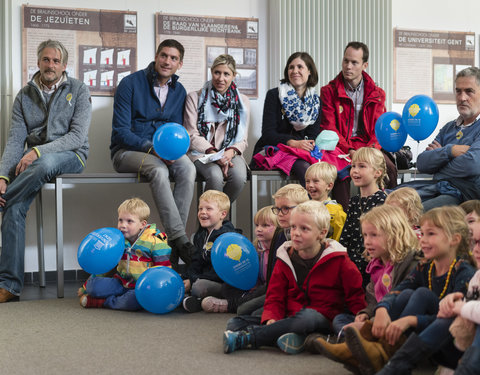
pixel 285 198
pixel 145 247
pixel 312 281
pixel 200 279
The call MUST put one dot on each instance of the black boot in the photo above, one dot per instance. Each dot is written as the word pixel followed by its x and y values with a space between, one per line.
pixel 407 357
pixel 470 362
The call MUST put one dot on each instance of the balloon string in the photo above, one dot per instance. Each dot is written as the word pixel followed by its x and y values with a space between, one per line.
pixel 418 150
pixel 143 161
pixel 395 160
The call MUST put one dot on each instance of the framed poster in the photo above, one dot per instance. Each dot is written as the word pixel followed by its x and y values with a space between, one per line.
pixel 101 44
pixel 426 62
pixel 204 38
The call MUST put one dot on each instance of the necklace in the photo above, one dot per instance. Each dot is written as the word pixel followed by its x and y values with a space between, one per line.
pixel 446 281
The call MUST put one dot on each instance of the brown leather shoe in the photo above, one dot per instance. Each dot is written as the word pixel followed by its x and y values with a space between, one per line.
pixel 338 353
pixel 6 296
pixel 370 355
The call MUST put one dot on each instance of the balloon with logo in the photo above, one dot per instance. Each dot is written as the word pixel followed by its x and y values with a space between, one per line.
pixel 171 141
pixel 390 132
pixel 159 290
pixel 420 117
pixel 101 250
pixel 235 260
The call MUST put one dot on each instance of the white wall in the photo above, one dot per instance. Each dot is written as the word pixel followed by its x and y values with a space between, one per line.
pixel 438 15
pixel 90 207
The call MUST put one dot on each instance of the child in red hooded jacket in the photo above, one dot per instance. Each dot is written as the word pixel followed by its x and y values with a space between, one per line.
pixel 313 280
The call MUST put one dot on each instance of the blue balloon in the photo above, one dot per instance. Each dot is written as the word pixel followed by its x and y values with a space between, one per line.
pixel 420 117
pixel 159 290
pixel 390 132
pixel 101 250
pixel 171 141
pixel 235 260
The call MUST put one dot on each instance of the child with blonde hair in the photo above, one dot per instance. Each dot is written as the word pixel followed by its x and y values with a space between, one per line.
pixel 368 173
pixel 266 223
pixel 436 340
pixel 319 180
pixel 286 199
pixel 245 302
pixel 200 279
pixel 306 289
pixel 145 247
pixel 467 308
pixel 391 245
pixel 410 202
pixel 414 303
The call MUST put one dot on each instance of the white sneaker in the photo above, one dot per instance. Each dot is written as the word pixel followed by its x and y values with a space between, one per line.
pixel 217 305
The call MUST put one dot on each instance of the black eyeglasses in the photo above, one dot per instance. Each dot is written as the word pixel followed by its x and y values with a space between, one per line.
pixel 284 210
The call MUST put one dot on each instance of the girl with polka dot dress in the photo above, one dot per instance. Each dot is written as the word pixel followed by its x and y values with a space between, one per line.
pixel 368 172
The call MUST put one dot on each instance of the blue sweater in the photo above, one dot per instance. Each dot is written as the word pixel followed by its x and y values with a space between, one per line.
pixel 137 112
pixel 440 161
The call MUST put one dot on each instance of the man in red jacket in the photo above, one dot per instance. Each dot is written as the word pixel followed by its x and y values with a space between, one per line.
pixel 351 104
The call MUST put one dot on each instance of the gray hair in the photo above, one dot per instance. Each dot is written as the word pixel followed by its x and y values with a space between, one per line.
pixel 471 71
pixel 56 45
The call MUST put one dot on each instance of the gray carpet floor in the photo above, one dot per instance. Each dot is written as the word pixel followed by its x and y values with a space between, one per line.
pixel 57 336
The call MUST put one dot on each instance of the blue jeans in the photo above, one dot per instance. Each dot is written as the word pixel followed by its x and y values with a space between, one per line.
pixel 476 339
pixel 432 198
pixel 341 320
pixel 414 302
pixel 19 195
pixel 421 302
pixel 173 208
pixel 304 322
pixel 117 297
pixel 440 342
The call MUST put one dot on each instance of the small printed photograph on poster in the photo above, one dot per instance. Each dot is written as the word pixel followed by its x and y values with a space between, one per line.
pixel 102 68
pixel 442 79
pixel 445 71
pixel 101 44
pixel 246 79
pixel 206 37
pixel 213 52
pixel 237 54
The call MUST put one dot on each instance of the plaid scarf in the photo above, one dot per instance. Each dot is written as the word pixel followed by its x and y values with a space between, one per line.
pixel 216 108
